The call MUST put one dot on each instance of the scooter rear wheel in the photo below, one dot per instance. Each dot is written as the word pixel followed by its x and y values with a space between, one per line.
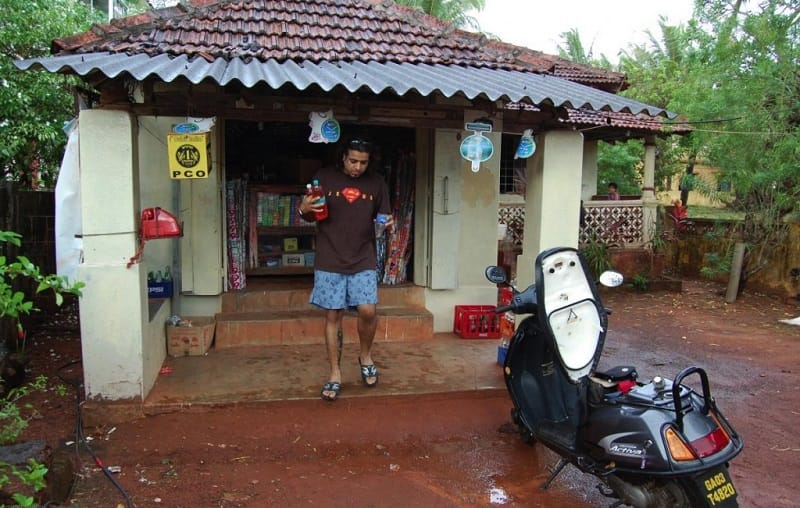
pixel 641 492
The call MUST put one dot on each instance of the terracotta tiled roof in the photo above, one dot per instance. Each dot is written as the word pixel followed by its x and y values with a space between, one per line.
pixel 310 30
pixel 355 44
pixel 639 122
pixel 319 30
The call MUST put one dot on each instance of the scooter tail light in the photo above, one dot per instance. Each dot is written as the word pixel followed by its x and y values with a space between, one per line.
pixel 712 442
pixel 678 449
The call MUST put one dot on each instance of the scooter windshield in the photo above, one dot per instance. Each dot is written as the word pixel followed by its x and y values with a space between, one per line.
pixel 569 307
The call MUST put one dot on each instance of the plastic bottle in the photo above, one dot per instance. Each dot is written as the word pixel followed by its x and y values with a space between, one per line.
pixel 319 200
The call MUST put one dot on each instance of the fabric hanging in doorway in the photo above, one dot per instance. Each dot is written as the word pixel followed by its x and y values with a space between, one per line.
pixel 398 244
pixel 235 214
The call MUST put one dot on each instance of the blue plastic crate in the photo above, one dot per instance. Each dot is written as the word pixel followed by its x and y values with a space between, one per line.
pixel 159 289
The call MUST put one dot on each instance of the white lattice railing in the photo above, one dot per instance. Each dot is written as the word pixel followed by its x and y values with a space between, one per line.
pixel 614 223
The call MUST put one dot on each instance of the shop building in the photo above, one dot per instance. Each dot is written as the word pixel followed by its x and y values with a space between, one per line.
pixel 253 76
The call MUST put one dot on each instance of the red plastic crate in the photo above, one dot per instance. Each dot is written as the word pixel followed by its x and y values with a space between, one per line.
pixel 476 322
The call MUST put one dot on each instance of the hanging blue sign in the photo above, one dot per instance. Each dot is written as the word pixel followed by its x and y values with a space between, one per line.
pixel 477 149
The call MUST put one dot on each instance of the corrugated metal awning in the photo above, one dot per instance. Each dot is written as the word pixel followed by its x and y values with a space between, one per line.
pixel 378 77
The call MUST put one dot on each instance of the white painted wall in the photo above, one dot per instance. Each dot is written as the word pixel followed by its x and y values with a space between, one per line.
pixel 113 308
pixel 124 169
pixel 552 204
pixel 589 180
pixel 474 200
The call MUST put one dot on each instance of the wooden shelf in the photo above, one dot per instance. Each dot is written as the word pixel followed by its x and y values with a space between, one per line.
pixel 287 230
pixel 283 270
pixel 305 233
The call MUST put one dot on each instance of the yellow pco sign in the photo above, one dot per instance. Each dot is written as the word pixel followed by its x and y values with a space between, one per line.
pixel 188 156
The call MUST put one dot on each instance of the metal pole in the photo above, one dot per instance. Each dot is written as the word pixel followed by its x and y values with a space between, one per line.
pixel 736 272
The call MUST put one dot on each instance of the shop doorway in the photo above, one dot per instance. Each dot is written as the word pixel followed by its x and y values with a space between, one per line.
pixel 267 167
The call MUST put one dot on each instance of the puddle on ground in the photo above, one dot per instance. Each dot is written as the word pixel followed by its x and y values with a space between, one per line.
pixel 498 496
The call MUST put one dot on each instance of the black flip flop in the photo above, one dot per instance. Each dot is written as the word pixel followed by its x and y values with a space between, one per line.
pixel 368 371
pixel 330 386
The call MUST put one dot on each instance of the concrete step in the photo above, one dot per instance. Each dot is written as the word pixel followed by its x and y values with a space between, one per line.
pixel 260 298
pixel 306 324
pixel 275 311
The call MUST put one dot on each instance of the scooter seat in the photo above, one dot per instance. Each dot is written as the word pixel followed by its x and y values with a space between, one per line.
pixel 617 374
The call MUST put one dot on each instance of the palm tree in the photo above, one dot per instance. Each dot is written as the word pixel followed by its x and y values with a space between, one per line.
pixel 453 11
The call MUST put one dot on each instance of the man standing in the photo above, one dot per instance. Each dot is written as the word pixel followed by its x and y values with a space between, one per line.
pixel 345 259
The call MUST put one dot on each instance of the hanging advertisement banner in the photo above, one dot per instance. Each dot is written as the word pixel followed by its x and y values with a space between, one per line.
pixel 188 156
pixel 476 148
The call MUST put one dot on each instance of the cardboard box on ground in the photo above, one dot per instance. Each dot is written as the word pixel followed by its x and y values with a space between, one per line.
pixel 192 340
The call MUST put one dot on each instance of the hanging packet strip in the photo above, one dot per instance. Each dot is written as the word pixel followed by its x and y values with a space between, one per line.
pixel 324 127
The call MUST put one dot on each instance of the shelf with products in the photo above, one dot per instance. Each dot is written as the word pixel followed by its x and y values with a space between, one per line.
pixel 280 241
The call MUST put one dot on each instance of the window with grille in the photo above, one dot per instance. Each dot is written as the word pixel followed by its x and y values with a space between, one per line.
pixel 512 172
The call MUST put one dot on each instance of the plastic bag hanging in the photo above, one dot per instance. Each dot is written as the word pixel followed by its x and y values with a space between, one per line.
pixel 527 145
pixel 324 127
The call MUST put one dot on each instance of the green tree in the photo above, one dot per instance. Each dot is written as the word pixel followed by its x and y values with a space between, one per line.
pixel 754 57
pixel 619 162
pixel 453 11
pixel 35 105
pixel 622 164
pixel 657 72
pixel 574 50
pixel 733 73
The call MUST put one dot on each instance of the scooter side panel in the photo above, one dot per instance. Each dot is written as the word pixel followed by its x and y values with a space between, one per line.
pixel 548 405
pixel 637 443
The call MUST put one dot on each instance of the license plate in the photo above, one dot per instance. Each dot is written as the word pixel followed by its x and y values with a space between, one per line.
pixel 717 488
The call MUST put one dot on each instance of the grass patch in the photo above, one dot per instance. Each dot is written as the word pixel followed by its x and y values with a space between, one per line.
pixel 713 213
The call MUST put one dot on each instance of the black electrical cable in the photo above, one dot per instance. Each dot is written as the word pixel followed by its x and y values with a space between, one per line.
pixel 80 438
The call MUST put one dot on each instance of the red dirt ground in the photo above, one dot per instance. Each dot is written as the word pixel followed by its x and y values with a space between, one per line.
pixel 453 450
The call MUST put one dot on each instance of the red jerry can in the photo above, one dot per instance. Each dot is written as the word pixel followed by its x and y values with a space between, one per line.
pixel 159 223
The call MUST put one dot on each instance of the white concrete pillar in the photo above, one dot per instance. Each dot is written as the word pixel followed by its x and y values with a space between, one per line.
pixel 113 308
pixel 589 181
pixel 649 201
pixel 552 201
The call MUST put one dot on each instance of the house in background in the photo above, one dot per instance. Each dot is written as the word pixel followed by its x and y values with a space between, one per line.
pixel 409 82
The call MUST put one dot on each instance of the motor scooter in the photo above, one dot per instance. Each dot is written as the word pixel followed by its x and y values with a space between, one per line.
pixel 654 444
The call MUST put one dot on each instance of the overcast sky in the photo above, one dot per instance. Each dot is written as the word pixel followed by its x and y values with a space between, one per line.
pixel 607 26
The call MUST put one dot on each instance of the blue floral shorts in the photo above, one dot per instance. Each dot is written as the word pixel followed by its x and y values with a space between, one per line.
pixel 335 291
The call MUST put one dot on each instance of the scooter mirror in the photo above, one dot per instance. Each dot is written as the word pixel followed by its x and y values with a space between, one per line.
pixel 496 274
pixel 611 279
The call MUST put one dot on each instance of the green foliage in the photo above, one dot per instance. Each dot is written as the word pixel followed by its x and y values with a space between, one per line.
pixel 597 257
pixel 13 303
pixel 621 163
pixel 12 423
pixel 640 281
pixel 453 11
pixel 35 105
pixel 732 72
